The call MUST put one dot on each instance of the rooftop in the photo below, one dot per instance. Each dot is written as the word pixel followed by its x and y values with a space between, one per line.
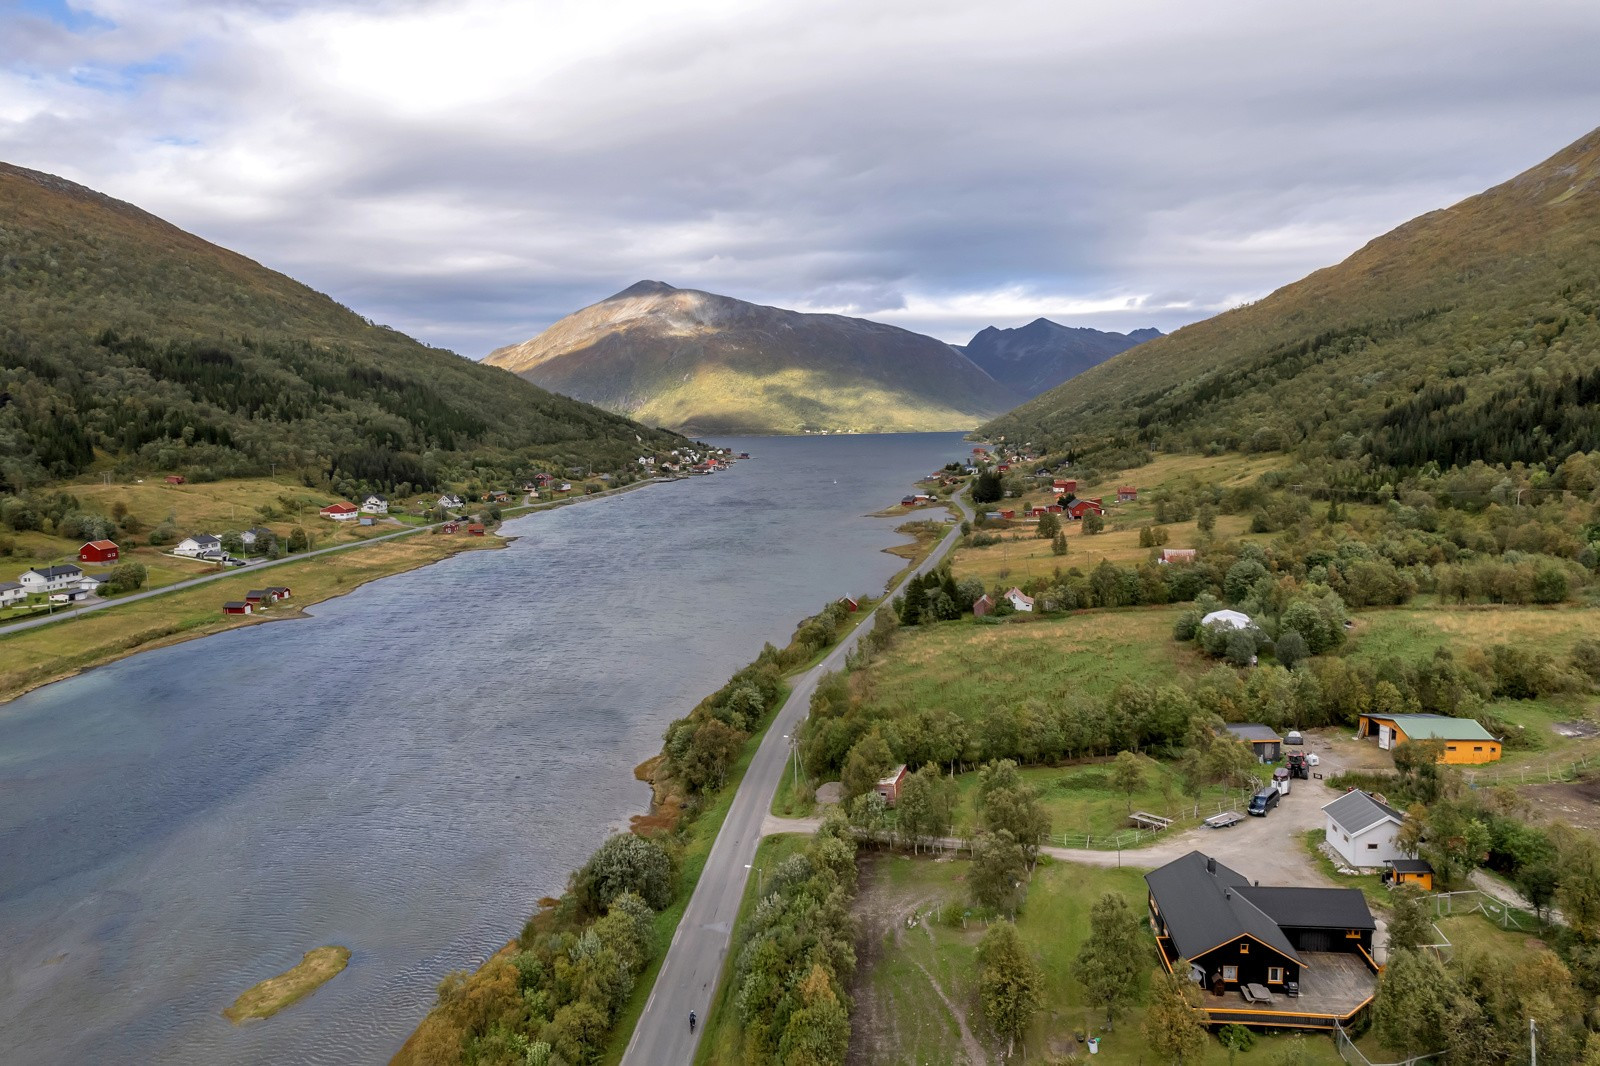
pixel 1357 811
pixel 1436 727
pixel 1253 732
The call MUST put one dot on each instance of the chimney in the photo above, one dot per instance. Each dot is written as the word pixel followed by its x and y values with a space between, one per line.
pixel 1211 865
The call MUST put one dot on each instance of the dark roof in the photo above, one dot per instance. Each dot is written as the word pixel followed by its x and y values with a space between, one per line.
pixel 255 594
pixel 1312 908
pixel 7 586
pixel 1204 906
pixel 1356 811
pixel 1253 732
pixel 50 573
pixel 205 538
pixel 235 603
pixel 1409 866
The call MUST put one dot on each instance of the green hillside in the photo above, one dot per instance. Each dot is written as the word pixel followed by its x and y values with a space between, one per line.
pixel 128 344
pixel 1466 334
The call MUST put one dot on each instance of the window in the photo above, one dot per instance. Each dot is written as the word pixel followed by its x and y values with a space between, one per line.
pixel 1274 975
pixel 1449 747
pixel 1477 747
pixel 1230 973
pixel 1354 934
pixel 1244 947
pixel 1372 847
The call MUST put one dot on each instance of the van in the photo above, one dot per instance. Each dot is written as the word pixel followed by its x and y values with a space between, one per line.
pixel 1263 801
pixel 1280 780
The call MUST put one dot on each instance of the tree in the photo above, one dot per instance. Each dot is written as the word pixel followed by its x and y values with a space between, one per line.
pixel 126 577
pixel 866 764
pixel 298 541
pixel 1291 648
pixel 986 487
pixel 926 805
pixel 1058 546
pixel 1010 983
pixel 1049 526
pixel 1206 519
pixel 1108 962
pixel 1409 927
pixel 818 1034
pixel 624 863
pixel 1093 523
pixel 1241 647
pixel 1412 1012
pixel 712 748
pixel 998 868
pixel 1172 1025
pixel 1127 774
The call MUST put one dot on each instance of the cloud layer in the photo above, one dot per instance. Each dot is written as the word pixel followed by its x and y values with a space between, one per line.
pixel 470 170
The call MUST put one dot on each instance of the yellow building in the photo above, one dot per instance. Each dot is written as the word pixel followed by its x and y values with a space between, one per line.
pixel 1465 740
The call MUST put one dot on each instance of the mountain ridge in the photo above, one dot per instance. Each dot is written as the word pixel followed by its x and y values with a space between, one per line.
pixel 706 363
pixel 1034 358
pixel 1446 339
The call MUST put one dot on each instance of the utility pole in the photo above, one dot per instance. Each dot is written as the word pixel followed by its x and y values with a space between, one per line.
pixel 1533 1043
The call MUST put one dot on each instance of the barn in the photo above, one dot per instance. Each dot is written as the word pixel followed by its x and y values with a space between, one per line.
pixel 99 551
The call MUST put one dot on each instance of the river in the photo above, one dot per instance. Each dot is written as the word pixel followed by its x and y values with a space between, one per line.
pixel 405 772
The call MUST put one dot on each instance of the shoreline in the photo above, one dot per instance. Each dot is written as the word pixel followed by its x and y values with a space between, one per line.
pixel 179 632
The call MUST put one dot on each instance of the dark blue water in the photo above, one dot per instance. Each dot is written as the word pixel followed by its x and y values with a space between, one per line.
pixel 405 773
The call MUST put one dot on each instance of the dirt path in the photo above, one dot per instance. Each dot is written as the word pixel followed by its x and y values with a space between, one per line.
pixel 882 910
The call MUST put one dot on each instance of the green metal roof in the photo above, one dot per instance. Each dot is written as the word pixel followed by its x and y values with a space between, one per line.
pixel 1436 727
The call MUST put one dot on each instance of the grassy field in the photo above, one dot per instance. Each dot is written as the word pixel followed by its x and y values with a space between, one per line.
pixel 38 656
pixel 970 668
pixel 1415 631
pixel 1081 801
pixel 263 1000
pixel 916 987
pixel 722 1043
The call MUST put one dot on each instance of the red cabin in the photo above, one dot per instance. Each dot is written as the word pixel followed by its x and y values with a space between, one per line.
pixel 1079 508
pixel 236 607
pixel 1127 495
pixel 476 529
pixel 850 604
pixel 99 551
pixel 173 479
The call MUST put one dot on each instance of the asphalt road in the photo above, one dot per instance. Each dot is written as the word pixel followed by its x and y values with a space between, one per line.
pixel 67 614
pixel 688 978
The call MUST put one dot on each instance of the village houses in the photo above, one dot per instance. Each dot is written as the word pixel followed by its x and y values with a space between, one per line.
pixel 50 579
pixel 375 505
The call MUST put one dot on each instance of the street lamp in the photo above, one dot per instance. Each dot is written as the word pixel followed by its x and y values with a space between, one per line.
pixel 760 881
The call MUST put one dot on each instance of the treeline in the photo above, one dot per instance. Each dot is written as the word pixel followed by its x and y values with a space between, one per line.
pixel 794 966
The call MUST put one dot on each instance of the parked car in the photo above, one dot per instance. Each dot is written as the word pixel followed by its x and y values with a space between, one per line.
pixel 1264 801
pixel 1294 739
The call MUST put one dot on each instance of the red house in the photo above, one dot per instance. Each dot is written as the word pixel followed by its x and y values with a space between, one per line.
pixel 1079 508
pixel 476 529
pixel 451 527
pixel 341 512
pixel 1127 495
pixel 850 604
pixel 173 479
pixel 1054 508
pixel 99 551
pixel 256 598
pixel 1008 514
pixel 1063 484
pixel 236 607
pixel 278 592
pixel 1038 512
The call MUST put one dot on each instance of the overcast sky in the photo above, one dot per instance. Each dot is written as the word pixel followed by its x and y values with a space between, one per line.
pixel 470 170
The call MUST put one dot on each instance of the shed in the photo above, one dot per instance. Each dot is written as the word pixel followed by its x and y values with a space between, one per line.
pixel 982 605
pixel 1418 872
pixel 1361 829
pixel 1177 555
pixel 889 787
pixel 173 479
pixel 340 512
pixel 1262 739
pixel 1465 741
pixel 1020 600
pixel 236 607
pixel 476 529
pixel 1127 494
pixel 278 592
pixel 850 604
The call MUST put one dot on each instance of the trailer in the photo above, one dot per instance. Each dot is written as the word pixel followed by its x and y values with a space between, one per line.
pixel 1226 820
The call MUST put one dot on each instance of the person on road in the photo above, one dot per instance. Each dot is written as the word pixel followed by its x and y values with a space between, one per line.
pixel 691 1021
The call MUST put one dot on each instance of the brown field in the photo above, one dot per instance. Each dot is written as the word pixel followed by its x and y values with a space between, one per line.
pixel 1022 555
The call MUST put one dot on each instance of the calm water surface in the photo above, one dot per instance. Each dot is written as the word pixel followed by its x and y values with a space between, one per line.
pixel 405 773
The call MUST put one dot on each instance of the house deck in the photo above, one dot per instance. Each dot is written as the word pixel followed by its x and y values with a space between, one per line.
pixel 1333 985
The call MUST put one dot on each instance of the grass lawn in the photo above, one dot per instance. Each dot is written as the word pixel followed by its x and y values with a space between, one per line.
pixel 970 668
pixel 1371 885
pixel 722 1043
pixel 1081 800
pixel 38 656
pixel 913 981
pixel 1415 631
pixel 1021 555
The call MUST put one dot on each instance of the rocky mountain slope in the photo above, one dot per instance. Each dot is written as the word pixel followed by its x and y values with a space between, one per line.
pixel 704 363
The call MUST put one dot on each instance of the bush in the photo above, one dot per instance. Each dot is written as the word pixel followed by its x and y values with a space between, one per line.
pixel 624 863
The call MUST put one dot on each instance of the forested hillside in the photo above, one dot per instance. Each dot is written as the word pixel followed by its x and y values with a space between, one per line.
pixel 1467 334
pixel 127 342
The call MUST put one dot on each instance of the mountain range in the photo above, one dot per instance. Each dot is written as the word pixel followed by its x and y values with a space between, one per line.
pixel 702 363
pixel 1469 333
pixel 125 340
pixel 1043 354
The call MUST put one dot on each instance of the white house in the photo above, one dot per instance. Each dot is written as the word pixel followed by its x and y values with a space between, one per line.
pixel 451 502
pixel 1228 620
pixel 375 505
pixel 198 545
pixel 1362 830
pixel 11 592
pixel 50 579
pixel 1020 600
pixel 259 535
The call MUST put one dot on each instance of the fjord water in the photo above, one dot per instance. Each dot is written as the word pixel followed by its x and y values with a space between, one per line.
pixel 404 773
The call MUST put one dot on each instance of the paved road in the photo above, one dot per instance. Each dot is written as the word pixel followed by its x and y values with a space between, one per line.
pixel 688 978
pixel 187 583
